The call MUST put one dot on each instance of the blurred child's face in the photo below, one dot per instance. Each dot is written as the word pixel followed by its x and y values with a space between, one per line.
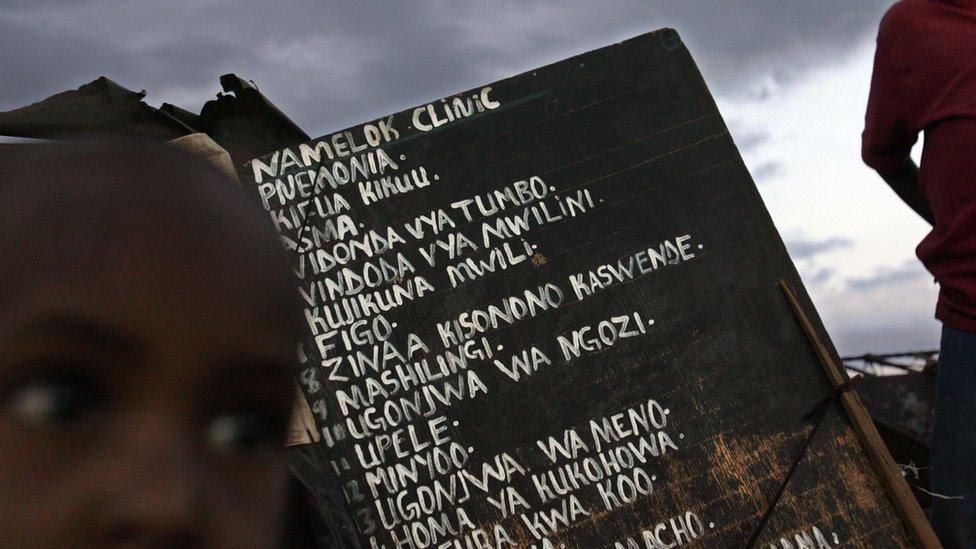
pixel 144 381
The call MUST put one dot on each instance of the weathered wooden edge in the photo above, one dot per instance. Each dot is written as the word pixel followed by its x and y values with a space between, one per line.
pixel 915 519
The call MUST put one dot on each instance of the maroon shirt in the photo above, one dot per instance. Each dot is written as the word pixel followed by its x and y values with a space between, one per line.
pixel 925 80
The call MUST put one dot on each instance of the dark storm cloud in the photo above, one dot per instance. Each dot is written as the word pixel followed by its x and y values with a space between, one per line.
pixel 803 248
pixel 330 65
pixel 767 170
pixel 924 335
pixel 748 139
pixel 818 276
pixel 910 271
pixel 49 65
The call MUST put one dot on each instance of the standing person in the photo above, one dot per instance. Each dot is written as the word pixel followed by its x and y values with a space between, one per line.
pixel 925 81
pixel 148 327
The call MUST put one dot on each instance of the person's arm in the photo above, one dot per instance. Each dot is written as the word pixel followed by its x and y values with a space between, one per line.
pixel 905 185
pixel 888 131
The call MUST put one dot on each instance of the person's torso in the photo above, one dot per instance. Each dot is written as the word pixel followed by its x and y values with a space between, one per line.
pixel 933 53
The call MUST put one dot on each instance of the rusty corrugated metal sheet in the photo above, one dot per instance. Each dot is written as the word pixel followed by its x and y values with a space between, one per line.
pixel 901 407
pixel 97 109
pixel 244 122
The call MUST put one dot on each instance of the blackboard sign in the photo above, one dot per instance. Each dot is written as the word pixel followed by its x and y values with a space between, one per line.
pixel 546 312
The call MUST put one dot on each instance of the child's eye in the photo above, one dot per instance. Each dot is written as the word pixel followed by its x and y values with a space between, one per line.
pixel 242 434
pixel 51 402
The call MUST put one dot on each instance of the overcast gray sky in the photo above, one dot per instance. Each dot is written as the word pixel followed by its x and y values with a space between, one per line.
pixel 790 76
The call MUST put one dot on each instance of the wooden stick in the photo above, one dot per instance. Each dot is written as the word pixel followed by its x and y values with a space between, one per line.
pixel 894 483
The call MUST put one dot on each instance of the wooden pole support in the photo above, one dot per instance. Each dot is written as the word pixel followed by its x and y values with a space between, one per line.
pixel 915 519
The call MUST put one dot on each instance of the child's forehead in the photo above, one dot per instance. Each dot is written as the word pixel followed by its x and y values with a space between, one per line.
pixel 67 182
pixel 133 221
pixel 76 221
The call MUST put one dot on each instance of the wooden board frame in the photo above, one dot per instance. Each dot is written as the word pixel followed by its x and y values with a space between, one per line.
pixel 886 467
